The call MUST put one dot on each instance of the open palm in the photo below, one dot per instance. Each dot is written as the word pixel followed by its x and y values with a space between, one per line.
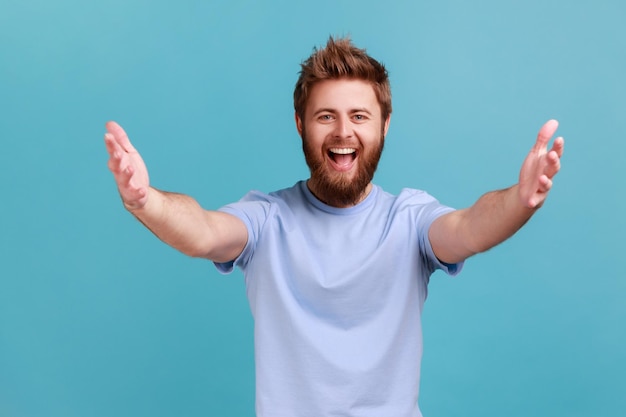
pixel 540 166
pixel 127 166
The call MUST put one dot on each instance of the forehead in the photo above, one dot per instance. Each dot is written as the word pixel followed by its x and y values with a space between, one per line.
pixel 343 95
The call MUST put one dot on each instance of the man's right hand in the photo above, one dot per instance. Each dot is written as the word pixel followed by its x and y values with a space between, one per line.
pixel 176 219
pixel 127 166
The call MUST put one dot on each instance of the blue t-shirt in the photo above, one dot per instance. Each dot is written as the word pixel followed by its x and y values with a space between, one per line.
pixel 337 295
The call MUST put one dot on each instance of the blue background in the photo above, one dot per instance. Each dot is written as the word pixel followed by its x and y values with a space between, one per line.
pixel 99 318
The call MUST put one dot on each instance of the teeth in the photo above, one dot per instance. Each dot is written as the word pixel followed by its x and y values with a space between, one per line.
pixel 343 151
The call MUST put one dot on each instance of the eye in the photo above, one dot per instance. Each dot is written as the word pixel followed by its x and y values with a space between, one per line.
pixel 325 118
pixel 360 117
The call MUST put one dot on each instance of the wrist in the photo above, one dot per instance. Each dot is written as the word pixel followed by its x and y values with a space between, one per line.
pixel 523 202
pixel 144 200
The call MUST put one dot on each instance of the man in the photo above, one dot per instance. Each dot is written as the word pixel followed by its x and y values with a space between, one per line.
pixel 336 269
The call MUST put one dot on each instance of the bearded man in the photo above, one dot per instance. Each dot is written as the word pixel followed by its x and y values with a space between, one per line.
pixel 337 269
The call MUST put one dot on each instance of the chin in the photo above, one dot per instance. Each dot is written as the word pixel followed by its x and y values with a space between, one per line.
pixel 339 190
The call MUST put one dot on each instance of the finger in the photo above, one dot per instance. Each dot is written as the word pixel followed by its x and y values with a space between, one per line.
pixel 115 153
pixel 558 146
pixel 535 202
pixel 134 201
pixel 127 189
pixel 553 164
pixel 120 171
pixel 120 136
pixel 131 194
pixel 111 145
pixel 126 175
pixel 545 184
pixel 545 133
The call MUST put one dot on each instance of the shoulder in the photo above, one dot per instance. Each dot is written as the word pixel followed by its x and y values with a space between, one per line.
pixel 408 197
pixel 414 196
pixel 413 204
pixel 281 200
pixel 257 203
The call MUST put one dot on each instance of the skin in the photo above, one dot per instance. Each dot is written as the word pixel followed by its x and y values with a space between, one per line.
pixel 340 113
pixel 176 219
pixel 499 214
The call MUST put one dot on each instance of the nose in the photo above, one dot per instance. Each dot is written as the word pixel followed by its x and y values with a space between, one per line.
pixel 343 128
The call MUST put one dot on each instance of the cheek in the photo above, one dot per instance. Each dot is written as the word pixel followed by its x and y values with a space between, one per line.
pixel 371 137
pixel 314 137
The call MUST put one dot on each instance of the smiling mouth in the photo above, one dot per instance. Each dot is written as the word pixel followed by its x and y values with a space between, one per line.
pixel 342 157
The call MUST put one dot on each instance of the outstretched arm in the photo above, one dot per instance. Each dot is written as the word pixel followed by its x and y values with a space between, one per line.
pixel 499 214
pixel 176 219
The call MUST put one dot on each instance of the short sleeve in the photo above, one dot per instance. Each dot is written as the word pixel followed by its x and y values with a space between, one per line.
pixel 425 217
pixel 252 210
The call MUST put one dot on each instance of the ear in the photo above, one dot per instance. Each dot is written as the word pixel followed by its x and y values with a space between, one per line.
pixel 386 126
pixel 298 123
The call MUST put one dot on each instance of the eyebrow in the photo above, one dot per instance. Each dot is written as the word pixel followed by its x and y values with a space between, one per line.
pixel 352 111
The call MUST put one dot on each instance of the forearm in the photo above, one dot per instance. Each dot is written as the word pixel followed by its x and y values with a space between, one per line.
pixel 177 220
pixel 495 217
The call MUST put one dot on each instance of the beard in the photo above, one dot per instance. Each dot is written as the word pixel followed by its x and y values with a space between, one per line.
pixel 340 189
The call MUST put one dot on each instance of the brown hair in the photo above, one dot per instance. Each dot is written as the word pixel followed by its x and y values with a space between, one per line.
pixel 341 59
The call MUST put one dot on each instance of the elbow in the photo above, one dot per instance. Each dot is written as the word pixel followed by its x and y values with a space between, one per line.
pixel 196 250
pixel 194 253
